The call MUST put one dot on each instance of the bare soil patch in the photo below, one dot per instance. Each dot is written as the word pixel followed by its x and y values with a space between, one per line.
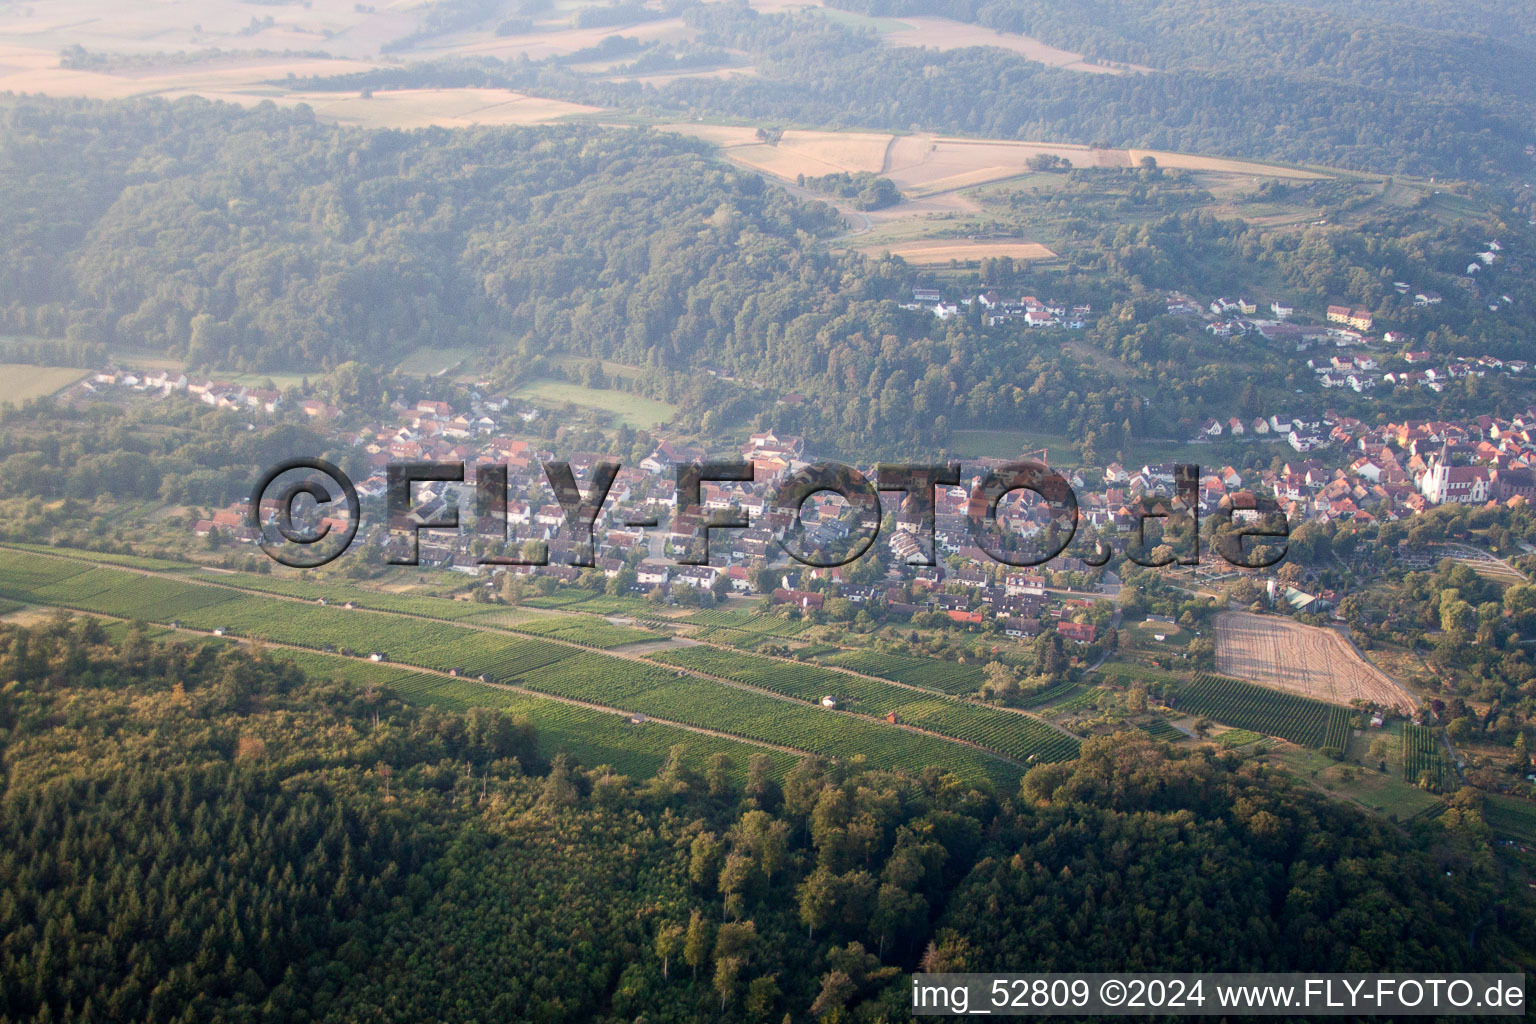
pixel 1309 660
pixel 942 250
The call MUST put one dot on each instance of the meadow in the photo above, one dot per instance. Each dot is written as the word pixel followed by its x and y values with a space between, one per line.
pixel 636 411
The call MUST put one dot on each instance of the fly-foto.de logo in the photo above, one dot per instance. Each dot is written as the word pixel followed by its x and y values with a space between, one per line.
pixel 306 512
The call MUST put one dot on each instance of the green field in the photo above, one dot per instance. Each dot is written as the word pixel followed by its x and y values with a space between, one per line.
pixel 636 411
pixel 589 736
pixel 1382 792
pixel 1423 756
pixel 1242 705
pixel 1511 818
pixel 431 362
pixel 1340 725
pixel 863 21
pixel 1013 735
pixel 527 658
pixel 1160 729
pixel 21 383
pixel 949 676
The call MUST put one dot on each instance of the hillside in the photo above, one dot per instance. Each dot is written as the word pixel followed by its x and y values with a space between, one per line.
pixel 374 842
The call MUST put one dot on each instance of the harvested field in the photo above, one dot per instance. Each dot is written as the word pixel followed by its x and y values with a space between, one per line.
pixel 450 108
pixel 814 153
pixel 145 52
pixel 544 42
pixel 924 165
pixel 1302 659
pixel 244 82
pixel 941 251
pixel 18 382
pixel 947 34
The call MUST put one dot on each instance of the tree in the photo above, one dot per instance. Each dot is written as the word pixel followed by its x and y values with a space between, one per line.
pixel 898 915
pixel 762 995
pixel 1457 617
pixel 736 940
pixel 735 876
pixel 836 989
pixel 704 855
pixel 1000 680
pixel 669 941
pixel 773 848
pixel 761 790
pixel 717 775
pixel 697 942
pixel 817 899
pixel 727 971
pixel 559 788
pixel 947 953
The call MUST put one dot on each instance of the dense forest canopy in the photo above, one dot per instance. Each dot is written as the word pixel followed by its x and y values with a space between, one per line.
pixel 193 833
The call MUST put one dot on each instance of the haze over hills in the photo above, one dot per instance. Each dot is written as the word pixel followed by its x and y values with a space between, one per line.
pixel 1275 80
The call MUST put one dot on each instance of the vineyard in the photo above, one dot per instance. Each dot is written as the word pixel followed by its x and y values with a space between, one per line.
pixel 164 598
pixel 1015 735
pixel 587 632
pixel 538 663
pixel 1161 729
pixel 1046 695
pixel 1088 699
pixel 747 622
pixel 744 713
pixel 1422 757
pixel 1018 736
pixel 590 602
pixel 1301 720
pixel 1238 737
pixel 590 736
pixel 948 676
pixel 1511 817
pixel 1341 724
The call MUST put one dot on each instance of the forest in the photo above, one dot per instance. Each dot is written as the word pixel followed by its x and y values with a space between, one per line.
pixel 263 241
pixel 194 832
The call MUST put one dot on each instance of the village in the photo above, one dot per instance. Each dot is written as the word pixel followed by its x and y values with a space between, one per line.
pixel 1352 472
